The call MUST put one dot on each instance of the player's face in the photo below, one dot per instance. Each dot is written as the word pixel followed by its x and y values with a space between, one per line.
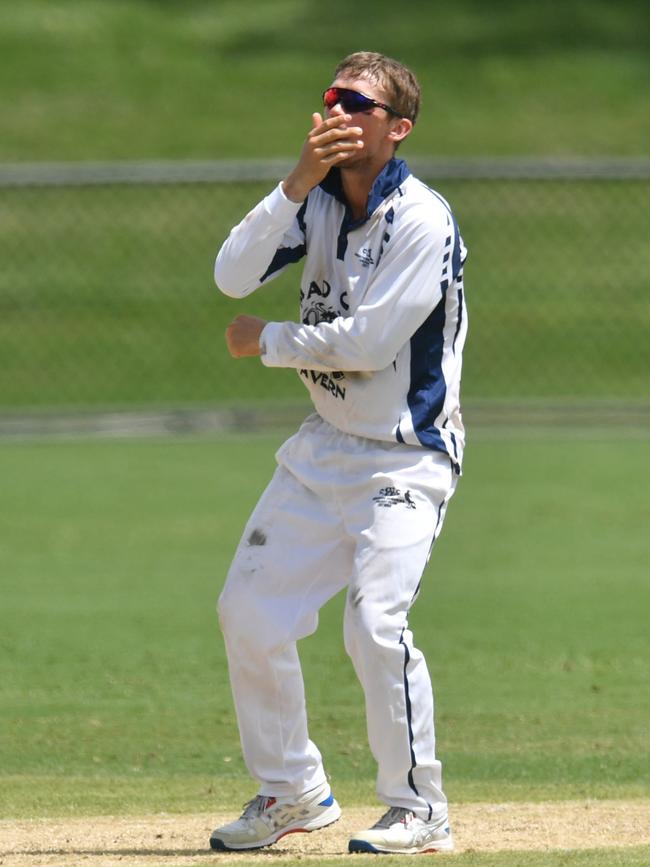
pixel 376 123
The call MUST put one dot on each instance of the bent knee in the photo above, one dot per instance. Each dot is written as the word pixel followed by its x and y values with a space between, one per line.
pixel 262 622
pixel 365 625
pixel 231 610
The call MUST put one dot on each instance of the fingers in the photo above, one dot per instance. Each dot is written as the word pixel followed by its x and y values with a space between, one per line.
pixel 333 159
pixel 333 127
pixel 332 138
pixel 330 141
pixel 337 151
pixel 231 338
pixel 349 135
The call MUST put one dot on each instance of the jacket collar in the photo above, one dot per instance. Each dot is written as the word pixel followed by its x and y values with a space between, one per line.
pixel 387 181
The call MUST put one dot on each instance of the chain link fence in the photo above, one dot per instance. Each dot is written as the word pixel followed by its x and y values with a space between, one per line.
pixel 107 299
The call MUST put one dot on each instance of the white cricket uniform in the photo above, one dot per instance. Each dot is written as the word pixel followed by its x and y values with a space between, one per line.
pixel 361 490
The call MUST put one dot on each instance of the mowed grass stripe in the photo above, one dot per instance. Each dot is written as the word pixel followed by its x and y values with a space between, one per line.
pixel 113 688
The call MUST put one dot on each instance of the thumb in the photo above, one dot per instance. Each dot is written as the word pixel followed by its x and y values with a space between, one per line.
pixel 316 120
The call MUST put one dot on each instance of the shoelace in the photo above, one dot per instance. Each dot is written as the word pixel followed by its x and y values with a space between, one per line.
pixel 392 816
pixel 255 806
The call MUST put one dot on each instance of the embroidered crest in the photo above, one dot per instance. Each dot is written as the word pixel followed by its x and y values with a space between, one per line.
pixel 365 257
pixel 391 496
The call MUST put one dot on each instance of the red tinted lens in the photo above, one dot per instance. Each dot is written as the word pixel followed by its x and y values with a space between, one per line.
pixel 350 100
pixel 331 97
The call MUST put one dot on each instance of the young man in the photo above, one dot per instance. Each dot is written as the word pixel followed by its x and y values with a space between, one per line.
pixel 360 492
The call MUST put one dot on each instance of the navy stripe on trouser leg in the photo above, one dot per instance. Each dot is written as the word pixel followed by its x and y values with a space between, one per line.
pixel 407 657
pixel 391 556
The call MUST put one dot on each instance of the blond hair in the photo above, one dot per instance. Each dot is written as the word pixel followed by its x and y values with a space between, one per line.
pixel 396 80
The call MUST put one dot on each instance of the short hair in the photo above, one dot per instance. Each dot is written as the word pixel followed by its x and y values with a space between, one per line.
pixel 399 83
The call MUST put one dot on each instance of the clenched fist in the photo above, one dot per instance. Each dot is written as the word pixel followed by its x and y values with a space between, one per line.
pixel 243 336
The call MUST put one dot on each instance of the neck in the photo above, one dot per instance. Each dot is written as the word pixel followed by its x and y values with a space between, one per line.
pixel 357 182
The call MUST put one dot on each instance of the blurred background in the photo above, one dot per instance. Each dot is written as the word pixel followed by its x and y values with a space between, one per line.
pixel 135 133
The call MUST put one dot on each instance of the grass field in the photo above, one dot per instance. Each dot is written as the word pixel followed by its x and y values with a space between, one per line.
pixel 119 79
pixel 113 691
pixel 114 697
pixel 107 295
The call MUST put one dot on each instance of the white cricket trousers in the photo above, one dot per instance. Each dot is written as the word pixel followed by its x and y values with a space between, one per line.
pixel 340 512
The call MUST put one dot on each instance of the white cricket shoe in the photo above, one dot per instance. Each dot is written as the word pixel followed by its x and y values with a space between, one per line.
pixel 265 820
pixel 400 831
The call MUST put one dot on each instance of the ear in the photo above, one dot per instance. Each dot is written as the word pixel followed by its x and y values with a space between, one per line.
pixel 402 128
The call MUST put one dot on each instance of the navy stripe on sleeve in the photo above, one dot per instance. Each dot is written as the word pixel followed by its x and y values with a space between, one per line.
pixel 287 255
pixel 283 256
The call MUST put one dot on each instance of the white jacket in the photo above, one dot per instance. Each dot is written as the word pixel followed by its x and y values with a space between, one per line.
pixel 381 305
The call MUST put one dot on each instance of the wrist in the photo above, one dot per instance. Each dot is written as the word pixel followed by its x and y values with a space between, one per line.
pixel 294 189
pixel 261 342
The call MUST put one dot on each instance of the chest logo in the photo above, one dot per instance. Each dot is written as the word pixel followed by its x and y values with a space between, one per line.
pixel 365 257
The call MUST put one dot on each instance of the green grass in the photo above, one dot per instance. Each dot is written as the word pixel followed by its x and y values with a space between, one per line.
pixel 113 690
pixel 107 297
pixel 91 79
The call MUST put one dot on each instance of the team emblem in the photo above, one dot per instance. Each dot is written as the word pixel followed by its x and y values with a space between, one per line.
pixel 392 497
pixel 365 257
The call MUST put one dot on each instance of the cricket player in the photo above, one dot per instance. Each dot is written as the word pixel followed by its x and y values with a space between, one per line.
pixel 361 490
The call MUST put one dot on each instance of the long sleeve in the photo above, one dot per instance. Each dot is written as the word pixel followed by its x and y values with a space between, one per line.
pixel 379 338
pixel 268 239
pixel 406 287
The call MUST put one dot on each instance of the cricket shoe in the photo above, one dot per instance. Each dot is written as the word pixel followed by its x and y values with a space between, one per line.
pixel 265 820
pixel 400 831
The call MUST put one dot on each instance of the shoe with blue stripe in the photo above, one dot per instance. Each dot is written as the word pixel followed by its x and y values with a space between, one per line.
pixel 265 820
pixel 401 832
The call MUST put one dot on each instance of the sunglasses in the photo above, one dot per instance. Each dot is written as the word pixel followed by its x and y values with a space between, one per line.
pixel 352 100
